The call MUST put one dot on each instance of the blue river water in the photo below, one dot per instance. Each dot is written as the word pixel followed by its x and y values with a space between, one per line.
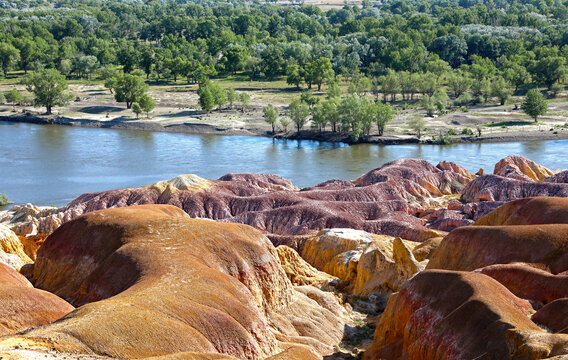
pixel 51 165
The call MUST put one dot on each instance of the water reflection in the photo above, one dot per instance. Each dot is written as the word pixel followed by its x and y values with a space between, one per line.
pixel 54 164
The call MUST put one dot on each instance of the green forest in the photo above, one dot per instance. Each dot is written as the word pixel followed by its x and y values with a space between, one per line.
pixel 444 53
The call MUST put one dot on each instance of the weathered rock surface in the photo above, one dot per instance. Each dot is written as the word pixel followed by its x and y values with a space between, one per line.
pixel 473 247
pixel 529 211
pixel 154 282
pixel 520 167
pixel 299 271
pixel 11 249
pixel 383 201
pixel 527 282
pixel 460 315
pixel 554 316
pixel 23 307
pixel 366 263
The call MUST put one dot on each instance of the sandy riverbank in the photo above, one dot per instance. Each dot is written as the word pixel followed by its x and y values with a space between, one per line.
pixel 203 128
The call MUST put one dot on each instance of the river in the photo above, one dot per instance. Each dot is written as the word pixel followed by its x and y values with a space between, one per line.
pixel 51 164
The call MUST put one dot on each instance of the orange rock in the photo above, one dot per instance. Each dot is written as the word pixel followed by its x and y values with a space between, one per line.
pixel 23 307
pixel 520 165
pixel 155 282
pixel 458 315
pixel 529 211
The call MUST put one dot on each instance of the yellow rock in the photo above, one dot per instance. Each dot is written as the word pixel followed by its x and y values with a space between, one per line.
pixel 10 244
pixel 298 270
pixel 366 263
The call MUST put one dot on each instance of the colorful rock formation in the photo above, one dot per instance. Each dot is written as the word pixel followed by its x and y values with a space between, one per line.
pixel 12 250
pixel 365 263
pixel 153 282
pixel 460 315
pixel 23 307
pixel 384 201
pixel 482 285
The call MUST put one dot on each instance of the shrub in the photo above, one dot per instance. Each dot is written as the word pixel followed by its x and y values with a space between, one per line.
pixel 467 131
pixel 4 199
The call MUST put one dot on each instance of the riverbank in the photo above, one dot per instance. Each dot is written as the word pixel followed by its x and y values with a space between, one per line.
pixel 544 133
pixel 177 111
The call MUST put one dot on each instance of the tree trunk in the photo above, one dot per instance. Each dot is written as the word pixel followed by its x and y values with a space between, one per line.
pixel 48 107
pixel 319 86
pixel 128 105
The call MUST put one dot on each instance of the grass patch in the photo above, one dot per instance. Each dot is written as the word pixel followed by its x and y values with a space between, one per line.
pixel 510 123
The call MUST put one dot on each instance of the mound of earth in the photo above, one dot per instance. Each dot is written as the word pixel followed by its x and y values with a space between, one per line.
pixel 23 307
pixel 460 315
pixel 150 281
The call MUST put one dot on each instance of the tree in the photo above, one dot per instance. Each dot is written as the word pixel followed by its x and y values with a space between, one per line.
pixel 429 104
pixel 517 75
pixel 48 87
pixel 147 60
pixel 8 56
pixel 459 83
pixel 128 88
pixel 270 113
pixel 390 85
pixel 549 70
pixel 318 72
pixel 351 112
pixel 534 104
pixel 333 90
pixel 65 67
pixel 231 96
pixel 136 109
pixel 294 76
pixel 285 122
pixel 85 65
pixel 382 114
pixel 146 104
pixel 417 124
pixel 206 98
pixel 500 89
pixel 13 97
pixel 234 58
pixel 309 99
pixel 428 84
pixel 441 100
pixel 451 49
pixel 244 98
pixel 219 96
pixel 298 112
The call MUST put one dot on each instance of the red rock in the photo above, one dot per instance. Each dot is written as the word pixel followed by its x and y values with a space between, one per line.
pixel 498 188
pixel 527 282
pixel 23 307
pixel 561 177
pixel 155 282
pixel 473 247
pixel 554 316
pixel 383 201
pixel 452 315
